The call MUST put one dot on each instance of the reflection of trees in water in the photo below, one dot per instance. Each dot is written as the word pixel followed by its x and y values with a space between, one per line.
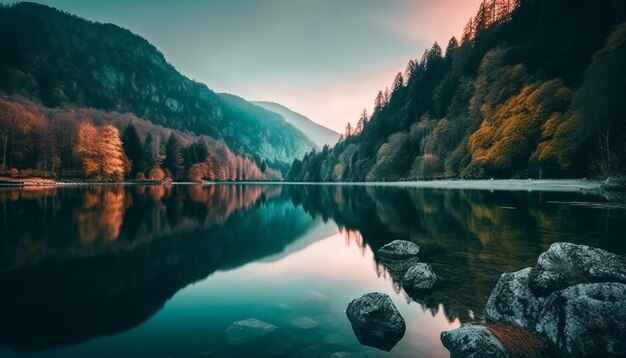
pixel 102 213
pixel 75 222
pixel 56 302
pixel 470 237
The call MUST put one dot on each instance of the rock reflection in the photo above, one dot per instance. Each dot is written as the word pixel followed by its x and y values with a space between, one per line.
pixel 78 263
pixel 469 237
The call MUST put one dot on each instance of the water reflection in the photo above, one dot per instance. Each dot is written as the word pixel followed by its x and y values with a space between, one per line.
pixel 83 262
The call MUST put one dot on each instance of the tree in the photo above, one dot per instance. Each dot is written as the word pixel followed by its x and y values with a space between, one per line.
pixel 110 145
pixel 379 102
pixel 174 157
pixel 349 132
pixel 133 149
pixel 453 44
pixel 362 121
pixel 87 149
pixel 410 68
pixel 150 154
pixel 101 151
pixel 398 82
pixel 468 31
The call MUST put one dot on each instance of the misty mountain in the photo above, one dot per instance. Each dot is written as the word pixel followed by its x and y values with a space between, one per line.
pixel 319 134
pixel 62 60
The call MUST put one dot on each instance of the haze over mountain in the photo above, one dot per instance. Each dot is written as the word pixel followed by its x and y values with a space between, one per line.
pixel 64 61
pixel 319 134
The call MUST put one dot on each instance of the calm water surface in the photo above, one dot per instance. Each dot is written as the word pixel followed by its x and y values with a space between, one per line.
pixel 164 271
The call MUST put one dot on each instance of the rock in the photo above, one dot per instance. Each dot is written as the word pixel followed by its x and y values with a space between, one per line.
pixel 566 264
pixel 397 268
pixel 512 301
pixel 586 320
pixel 241 332
pixel 398 249
pixel 314 301
pixel 473 341
pixel 419 278
pixel 304 322
pixel 376 321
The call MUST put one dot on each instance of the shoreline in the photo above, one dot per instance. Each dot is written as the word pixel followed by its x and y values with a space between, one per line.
pixel 530 185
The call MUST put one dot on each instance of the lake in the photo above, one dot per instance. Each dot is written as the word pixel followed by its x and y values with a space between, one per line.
pixel 163 271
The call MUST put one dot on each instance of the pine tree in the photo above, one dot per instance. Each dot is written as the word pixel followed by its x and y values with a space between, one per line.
pixel 379 102
pixel 174 157
pixel 349 130
pixel 398 82
pixel 133 149
pixel 149 156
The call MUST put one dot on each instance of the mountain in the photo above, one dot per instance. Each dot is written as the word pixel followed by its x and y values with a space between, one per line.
pixel 264 128
pixel 319 134
pixel 64 61
pixel 533 89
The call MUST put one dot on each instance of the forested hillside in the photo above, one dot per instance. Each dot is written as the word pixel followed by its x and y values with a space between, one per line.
pixel 60 61
pixel 533 89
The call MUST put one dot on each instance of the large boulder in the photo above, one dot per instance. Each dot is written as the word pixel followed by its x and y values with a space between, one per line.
pixel 473 341
pixel 512 301
pixel 376 321
pixel 586 320
pixel 398 250
pixel 419 279
pixel 241 332
pixel 566 264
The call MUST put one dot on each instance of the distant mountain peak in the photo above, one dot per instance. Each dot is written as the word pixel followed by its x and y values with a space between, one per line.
pixel 316 132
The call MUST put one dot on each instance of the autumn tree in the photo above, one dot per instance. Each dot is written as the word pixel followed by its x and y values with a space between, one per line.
pixel 101 151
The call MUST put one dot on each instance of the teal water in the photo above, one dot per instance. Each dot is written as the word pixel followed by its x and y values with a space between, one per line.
pixel 105 271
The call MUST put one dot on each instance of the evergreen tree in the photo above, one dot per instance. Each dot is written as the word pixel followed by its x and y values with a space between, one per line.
pixel 174 158
pixel 150 154
pixel 133 149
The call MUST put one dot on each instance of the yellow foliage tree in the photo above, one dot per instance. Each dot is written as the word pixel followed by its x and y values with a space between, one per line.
pixel 101 151
pixel 510 134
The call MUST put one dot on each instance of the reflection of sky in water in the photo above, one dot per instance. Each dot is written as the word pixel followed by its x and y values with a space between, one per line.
pixel 195 319
pixel 330 266
pixel 163 271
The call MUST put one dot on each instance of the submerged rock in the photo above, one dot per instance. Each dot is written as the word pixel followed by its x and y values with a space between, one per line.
pixel 419 278
pixel 566 264
pixel 304 322
pixel 473 341
pixel 586 320
pixel 314 301
pixel 398 249
pixel 376 321
pixel 512 301
pixel 241 332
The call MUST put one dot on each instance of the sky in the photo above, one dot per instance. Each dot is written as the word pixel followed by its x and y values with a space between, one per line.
pixel 326 59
